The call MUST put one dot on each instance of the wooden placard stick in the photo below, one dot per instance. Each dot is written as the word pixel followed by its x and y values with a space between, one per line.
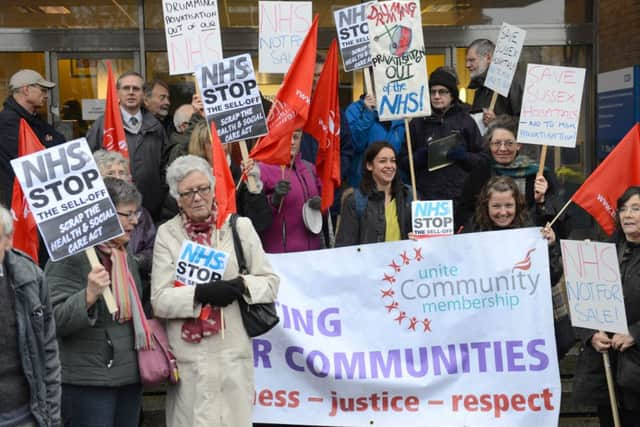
pixel 611 387
pixel 494 98
pixel 109 301
pixel 368 86
pixel 543 159
pixel 251 180
pixel 410 151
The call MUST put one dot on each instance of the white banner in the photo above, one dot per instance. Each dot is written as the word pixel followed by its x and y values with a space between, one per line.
pixel 353 35
pixel 282 28
pixel 398 57
pixel 192 30
pixel 551 105
pixel 454 331
pixel 505 59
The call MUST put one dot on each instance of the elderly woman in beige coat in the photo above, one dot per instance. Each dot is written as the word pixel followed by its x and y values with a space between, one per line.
pixel 216 367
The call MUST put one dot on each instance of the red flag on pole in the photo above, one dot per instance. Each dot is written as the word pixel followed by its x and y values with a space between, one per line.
pixel 113 137
pixel 25 230
pixel 291 107
pixel 619 170
pixel 225 187
pixel 324 125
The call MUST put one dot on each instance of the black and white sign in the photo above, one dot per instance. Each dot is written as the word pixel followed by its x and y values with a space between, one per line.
pixel 353 35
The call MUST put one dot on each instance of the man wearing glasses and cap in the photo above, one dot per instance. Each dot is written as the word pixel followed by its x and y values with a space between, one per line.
pixel 29 92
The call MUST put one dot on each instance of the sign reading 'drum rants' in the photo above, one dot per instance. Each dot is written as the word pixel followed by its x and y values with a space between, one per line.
pixel 68 198
pixel 232 99
pixel 199 264
pixel 592 276
pixel 353 36
pixel 192 29
pixel 551 105
pixel 398 57
pixel 431 218
pixel 282 28
pixel 505 59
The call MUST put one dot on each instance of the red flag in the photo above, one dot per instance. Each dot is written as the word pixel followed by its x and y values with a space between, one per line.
pixel 619 170
pixel 25 230
pixel 324 125
pixel 225 187
pixel 113 138
pixel 291 107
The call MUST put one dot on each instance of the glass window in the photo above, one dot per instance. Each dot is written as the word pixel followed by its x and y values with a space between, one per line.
pixel 15 61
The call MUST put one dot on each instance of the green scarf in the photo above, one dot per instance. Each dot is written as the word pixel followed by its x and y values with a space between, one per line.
pixel 522 166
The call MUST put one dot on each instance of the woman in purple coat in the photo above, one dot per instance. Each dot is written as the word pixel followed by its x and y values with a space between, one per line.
pixel 288 190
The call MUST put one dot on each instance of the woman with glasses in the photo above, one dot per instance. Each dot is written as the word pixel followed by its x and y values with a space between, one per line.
pixel 215 365
pixel 100 379
pixel 540 192
pixel 448 119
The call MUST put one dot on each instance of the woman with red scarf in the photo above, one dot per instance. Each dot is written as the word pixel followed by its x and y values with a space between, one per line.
pixel 216 365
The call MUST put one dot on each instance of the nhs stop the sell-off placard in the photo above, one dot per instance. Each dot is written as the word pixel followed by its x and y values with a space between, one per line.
pixel 454 331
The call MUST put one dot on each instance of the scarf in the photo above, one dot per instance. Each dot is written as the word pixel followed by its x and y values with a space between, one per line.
pixel 521 167
pixel 210 320
pixel 126 295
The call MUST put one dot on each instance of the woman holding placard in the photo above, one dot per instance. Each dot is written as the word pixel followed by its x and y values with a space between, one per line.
pixel 213 351
pixel 590 386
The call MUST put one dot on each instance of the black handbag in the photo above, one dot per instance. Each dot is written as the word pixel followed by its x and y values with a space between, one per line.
pixel 257 318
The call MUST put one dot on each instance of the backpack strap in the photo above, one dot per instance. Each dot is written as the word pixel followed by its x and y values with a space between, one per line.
pixel 237 245
pixel 361 202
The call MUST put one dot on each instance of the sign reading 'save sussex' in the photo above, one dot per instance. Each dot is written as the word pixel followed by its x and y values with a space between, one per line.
pixel 232 99
pixel 353 36
pixel 398 57
pixel 505 59
pixel 68 198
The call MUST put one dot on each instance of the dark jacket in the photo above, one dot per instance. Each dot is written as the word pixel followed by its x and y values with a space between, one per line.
pixel 148 158
pixel 445 183
pixel 510 105
pixel 95 349
pixel 371 226
pixel 9 126
pixel 36 337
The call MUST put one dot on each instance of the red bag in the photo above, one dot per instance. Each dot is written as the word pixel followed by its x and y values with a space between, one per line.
pixel 158 365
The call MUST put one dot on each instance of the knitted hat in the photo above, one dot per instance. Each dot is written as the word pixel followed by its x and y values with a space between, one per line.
pixel 444 78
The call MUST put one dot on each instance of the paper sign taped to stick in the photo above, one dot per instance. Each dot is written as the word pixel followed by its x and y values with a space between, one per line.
pixel 68 198
pixel 353 36
pixel 232 99
pixel 431 218
pixel 199 264
pixel 192 30
pixel 398 57
pixel 551 105
pixel 594 288
pixel 505 59
pixel 282 28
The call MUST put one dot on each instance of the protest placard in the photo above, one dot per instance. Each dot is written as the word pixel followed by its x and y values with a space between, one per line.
pixel 505 59
pixel 353 36
pixel 398 58
pixel 68 198
pixel 551 105
pixel 199 264
pixel 458 328
pixel 594 289
pixel 192 30
pixel 431 218
pixel 231 98
pixel 282 27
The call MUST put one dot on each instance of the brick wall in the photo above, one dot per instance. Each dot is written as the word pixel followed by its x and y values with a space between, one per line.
pixel 618 34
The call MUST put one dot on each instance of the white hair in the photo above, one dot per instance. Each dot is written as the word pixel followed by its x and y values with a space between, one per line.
pixel 6 220
pixel 181 167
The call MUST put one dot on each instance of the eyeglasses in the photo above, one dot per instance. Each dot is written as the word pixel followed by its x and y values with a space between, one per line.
pixel 119 174
pixel 131 216
pixel 633 208
pixel 506 144
pixel 130 88
pixel 42 88
pixel 441 92
pixel 191 194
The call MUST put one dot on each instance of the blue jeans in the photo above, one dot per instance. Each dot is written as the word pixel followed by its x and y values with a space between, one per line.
pixel 88 406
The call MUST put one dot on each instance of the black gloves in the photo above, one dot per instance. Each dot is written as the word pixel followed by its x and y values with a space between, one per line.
pixel 281 190
pixel 220 293
pixel 315 202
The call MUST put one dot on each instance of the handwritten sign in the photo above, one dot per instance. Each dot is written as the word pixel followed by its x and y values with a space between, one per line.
pixel 551 105
pixel 431 218
pixel 398 57
pixel 192 30
pixel 199 264
pixel 593 286
pixel 353 36
pixel 282 27
pixel 232 99
pixel 505 59
pixel 68 198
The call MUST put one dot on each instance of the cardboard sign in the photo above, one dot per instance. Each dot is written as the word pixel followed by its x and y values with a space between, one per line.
pixel 282 28
pixel 232 99
pixel 594 288
pixel 192 30
pixel 551 105
pixel 68 198
pixel 505 59
pixel 199 264
pixel 398 57
pixel 92 109
pixel 353 36
pixel 431 218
